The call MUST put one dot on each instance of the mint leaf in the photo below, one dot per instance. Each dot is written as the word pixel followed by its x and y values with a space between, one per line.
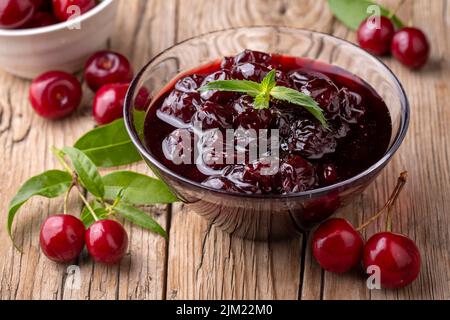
pixel 268 82
pixel 301 99
pixel 137 188
pixel 261 101
pixel 244 86
pixel 49 184
pixel 86 170
pixel 140 218
pixel 109 145
pixel 353 12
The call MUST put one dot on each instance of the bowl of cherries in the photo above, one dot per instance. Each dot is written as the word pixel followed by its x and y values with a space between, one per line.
pixel 266 131
pixel 41 35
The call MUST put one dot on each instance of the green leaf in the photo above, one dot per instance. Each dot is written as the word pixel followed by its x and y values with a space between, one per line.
pixel 140 218
pixel 137 188
pixel 269 81
pixel 245 86
pixel 301 99
pixel 86 216
pixel 87 171
pixel 49 184
pixel 353 12
pixel 261 101
pixel 109 145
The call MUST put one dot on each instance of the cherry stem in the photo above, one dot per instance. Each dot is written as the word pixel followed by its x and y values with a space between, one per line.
pixel 393 197
pixel 400 184
pixel 397 7
pixel 86 203
pixel 66 197
pixel 60 156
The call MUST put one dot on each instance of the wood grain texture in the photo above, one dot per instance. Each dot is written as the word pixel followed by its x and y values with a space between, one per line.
pixel 201 262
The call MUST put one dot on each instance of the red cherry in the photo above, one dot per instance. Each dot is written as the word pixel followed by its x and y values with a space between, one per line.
pixel 106 241
pixel 62 237
pixel 107 67
pixel 55 94
pixel 16 13
pixel 376 39
pixel 108 102
pixel 63 9
pixel 397 257
pixel 337 246
pixel 41 19
pixel 411 47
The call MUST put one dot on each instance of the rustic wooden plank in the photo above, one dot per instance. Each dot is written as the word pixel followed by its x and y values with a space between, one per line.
pixel 316 284
pixel 205 262
pixel 422 210
pixel 141 274
pixel 25 139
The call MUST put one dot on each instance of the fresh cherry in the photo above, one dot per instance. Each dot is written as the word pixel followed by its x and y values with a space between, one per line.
pixel 55 94
pixel 62 237
pixel 64 9
pixel 16 13
pixel 106 241
pixel 397 257
pixel 108 102
pixel 411 47
pixel 337 246
pixel 376 39
pixel 106 67
pixel 41 19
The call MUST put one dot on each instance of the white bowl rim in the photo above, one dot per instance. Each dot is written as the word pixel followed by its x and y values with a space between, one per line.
pixel 58 26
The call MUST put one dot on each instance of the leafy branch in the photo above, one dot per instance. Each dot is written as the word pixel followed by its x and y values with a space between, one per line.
pixel 114 194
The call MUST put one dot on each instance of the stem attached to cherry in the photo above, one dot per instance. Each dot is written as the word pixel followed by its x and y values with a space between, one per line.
pixel 75 183
pixel 389 204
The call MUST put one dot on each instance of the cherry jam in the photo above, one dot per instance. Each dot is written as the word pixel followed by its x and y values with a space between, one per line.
pixel 309 156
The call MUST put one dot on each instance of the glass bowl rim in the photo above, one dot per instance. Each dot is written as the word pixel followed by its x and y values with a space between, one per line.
pixel 404 124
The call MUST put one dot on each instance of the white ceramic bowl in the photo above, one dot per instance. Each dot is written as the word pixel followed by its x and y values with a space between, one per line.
pixel 29 52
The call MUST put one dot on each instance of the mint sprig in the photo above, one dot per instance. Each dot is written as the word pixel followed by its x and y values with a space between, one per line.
pixel 267 89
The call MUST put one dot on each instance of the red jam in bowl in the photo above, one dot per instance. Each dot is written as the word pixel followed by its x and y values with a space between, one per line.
pixel 218 153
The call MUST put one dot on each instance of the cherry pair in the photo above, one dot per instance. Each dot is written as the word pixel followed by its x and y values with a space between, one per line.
pixel 62 239
pixel 55 94
pixel 408 45
pixel 338 247
pixel 25 14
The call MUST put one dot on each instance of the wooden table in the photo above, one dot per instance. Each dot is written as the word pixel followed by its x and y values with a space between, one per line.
pixel 199 261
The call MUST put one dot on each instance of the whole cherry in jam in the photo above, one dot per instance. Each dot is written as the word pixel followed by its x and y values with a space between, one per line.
pixel 16 13
pixel 410 46
pixel 375 38
pixel 55 94
pixel 337 246
pixel 106 67
pixel 396 255
pixel 108 102
pixel 62 237
pixel 64 9
pixel 106 241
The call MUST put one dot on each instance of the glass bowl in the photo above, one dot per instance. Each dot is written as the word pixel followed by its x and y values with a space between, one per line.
pixel 260 216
